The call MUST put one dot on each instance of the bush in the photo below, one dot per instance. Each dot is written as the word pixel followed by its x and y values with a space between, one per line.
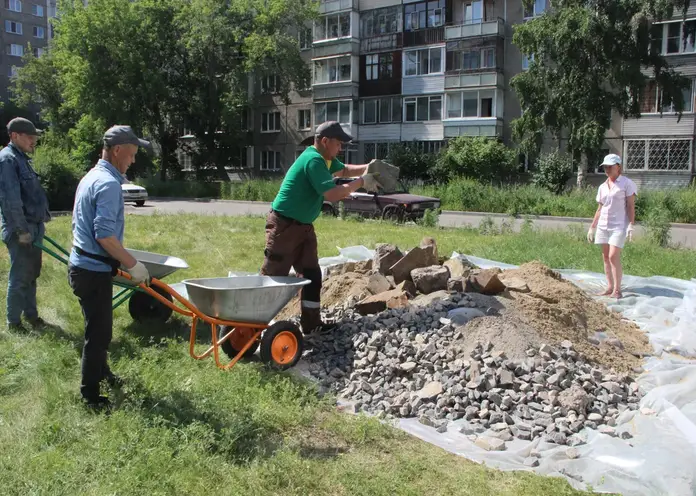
pixel 60 176
pixel 250 190
pixel 553 172
pixel 414 165
pixel 484 159
pixel 657 223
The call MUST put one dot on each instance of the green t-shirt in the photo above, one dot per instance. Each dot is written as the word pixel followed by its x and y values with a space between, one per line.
pixel 301 194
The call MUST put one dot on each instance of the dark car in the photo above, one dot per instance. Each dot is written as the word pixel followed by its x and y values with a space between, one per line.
pixel 398 206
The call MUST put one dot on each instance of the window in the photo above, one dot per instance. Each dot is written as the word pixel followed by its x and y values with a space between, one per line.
pixel 673 38
pixel 13 5
pixel 270 122
pixel 470 104
pixel 536 9
pixel 348 154
pixel 244 119
pixel 473 12
pixel 332 27
pixel 333 70
pixel 651 100
pixel 38 52
pixel 423 108
pixel 305 38
pixel 423 15
pixel 39 32
pixel 37 10
pixel 471 59
pixel 304 120
pixel 333 111
pixel 15 50
pixel 382 110
pixel 13 71
pixel 526 60
pixel 380 21
pixel 659 154
pixel 270 84
pixel 422 62
pixel 270 160
pixel 377 150
pixel 379 66
pixel 13 27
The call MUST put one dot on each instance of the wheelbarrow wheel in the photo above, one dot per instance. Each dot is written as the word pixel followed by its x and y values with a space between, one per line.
pixel 282 345
pixel 240 337
pixel 144 307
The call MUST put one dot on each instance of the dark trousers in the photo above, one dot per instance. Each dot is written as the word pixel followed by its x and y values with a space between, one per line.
pixel 94 291
pixel 292 244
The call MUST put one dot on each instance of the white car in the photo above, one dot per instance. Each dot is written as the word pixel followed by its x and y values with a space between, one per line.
pixel 134 193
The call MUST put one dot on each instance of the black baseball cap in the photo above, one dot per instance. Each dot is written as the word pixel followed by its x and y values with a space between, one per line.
pixel 331 130
pixel 123 135
pixel 22 126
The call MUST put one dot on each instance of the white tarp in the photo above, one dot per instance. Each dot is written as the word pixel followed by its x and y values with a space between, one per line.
pixel 659 459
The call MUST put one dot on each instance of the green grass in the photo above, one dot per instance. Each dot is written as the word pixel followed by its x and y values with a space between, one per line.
pixel 181 426
pixel 461 195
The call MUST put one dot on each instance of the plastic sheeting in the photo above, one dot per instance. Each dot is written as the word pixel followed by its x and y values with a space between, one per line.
pixel 659 458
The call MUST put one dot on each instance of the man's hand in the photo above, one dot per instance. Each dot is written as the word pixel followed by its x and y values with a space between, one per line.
pixel 370 181
pixel 629 232
pixel 24 238
pixel 139 274
pixel 590 235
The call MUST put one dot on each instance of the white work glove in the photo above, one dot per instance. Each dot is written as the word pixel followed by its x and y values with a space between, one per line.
pixel 139 274
pixel 629 232
pixel 590 235
pixel 370 182
pixel 24 238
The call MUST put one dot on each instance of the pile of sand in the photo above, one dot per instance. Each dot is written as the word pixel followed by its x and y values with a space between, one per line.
pixel 558 310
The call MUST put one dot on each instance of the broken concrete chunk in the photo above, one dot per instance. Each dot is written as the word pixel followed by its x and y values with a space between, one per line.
pixel 430 279
pixel 385 257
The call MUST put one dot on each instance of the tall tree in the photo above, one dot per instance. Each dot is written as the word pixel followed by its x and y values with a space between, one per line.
pixel 588 60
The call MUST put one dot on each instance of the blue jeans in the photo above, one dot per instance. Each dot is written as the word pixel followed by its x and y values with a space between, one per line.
pixel 25 268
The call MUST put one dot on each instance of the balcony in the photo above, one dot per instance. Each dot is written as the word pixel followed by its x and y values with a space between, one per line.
pixel 427 36
pixel 471 79
pixel 474 28
pixel 382 43
pixel 335 91
pixel 338 46
pixel 330 6
pixel 483 126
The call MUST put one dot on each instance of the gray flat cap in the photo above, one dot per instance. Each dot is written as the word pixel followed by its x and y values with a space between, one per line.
pixel 123 135
pixel 22 126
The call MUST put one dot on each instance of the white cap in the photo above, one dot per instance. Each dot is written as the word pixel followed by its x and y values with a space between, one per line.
pixel 612 159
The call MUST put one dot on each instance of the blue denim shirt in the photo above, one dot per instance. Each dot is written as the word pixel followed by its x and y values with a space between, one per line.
pixel 98 214
pixel 23 200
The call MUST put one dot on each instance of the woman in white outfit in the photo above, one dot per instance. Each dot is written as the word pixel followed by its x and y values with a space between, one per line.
pixel 613 221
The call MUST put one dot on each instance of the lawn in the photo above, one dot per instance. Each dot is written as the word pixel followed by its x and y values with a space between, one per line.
pixel 182 427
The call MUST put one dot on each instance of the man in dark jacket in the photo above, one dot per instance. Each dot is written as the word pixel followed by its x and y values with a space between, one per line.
pixel 24 209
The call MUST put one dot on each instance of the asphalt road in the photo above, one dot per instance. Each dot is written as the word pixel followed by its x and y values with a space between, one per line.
pixel 682 234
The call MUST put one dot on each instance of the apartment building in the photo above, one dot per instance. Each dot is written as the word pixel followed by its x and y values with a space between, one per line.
pixel 25 25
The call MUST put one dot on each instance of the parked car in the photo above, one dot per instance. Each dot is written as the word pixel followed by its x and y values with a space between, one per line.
pixel 398 206
pixel 133 193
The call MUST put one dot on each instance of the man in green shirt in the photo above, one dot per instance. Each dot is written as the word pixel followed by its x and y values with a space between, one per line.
pixel 290 237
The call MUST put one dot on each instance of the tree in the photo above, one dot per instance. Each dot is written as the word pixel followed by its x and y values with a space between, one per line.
pixel 162 65
pixel 588 60
pixel 480 158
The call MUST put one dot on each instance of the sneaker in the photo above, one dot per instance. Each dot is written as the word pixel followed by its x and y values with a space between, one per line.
pixel 97 404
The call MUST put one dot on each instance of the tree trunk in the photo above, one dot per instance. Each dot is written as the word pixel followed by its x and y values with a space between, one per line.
pixel 582 169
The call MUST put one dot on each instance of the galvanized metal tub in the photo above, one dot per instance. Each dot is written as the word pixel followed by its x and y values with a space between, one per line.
pixel 159 266
pixel 254 299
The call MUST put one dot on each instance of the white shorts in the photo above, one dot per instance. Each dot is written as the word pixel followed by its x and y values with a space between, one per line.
pixel 613 237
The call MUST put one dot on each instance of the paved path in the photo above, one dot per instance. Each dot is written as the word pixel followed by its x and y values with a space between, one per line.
pixel 682 234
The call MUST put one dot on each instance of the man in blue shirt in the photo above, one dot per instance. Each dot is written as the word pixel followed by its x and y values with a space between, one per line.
pixel 98 226
pixel 24 209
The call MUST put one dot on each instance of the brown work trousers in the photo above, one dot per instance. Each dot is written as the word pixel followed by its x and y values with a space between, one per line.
pixel 290 243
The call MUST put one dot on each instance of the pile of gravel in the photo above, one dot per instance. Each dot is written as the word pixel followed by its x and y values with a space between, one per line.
pixel 405 363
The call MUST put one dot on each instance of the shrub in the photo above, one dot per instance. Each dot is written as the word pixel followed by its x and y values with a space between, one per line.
pixel 60 176
pixel 658 225
pixel 414 164
pixel 478 158
pixel 553 172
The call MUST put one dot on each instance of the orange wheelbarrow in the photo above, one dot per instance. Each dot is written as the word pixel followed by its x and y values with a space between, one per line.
pixel 241 308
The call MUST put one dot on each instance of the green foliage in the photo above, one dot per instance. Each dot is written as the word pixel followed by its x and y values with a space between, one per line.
pixel 249 190
pixel 431 218
pixel 553 171
pixel 59 176
pixel 658 225
pixel 414 164
pixel 590 59
pixel 478 158
pixel 86 140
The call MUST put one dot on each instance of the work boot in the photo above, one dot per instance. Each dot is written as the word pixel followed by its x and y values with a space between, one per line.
pixel 17 328
pixel 37 322
pixel 113 380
